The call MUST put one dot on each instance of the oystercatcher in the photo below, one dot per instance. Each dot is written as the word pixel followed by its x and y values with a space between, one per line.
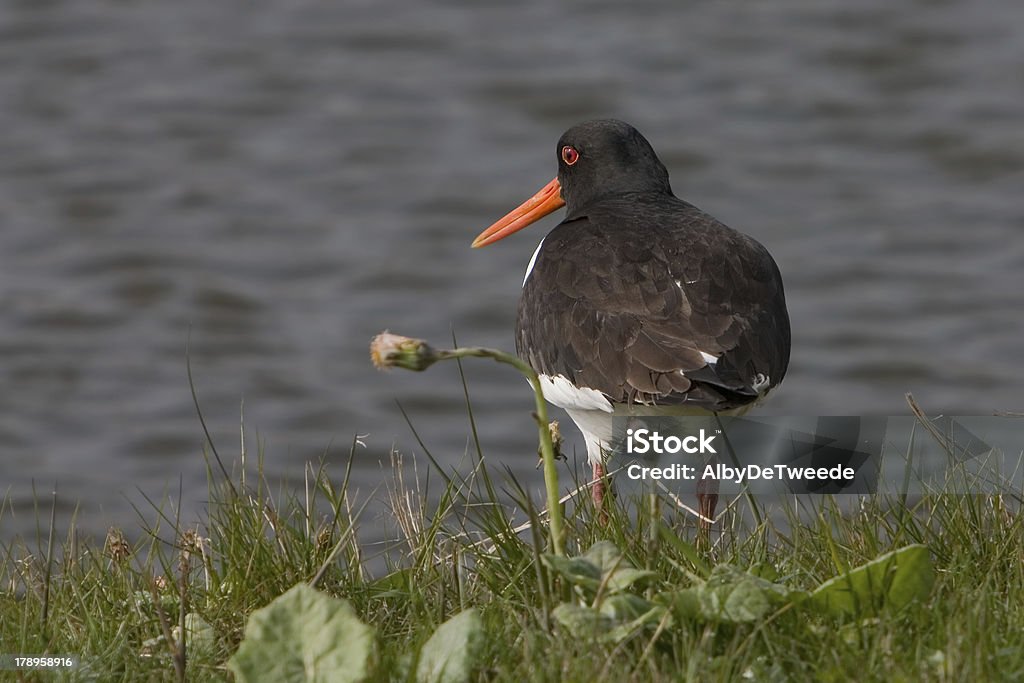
pixel 639 301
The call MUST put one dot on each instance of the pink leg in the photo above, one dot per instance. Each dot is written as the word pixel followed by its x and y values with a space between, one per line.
pixel 707 501
pixel 597 490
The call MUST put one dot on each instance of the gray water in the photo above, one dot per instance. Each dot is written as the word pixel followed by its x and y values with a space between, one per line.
pixel 281 181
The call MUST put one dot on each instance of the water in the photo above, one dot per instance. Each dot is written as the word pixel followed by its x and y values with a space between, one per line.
pixel 279 184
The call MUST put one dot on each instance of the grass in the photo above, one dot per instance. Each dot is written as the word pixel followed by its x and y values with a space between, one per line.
pixel 121 609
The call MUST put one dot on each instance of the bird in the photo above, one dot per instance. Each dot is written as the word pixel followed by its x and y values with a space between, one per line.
pixel 638 300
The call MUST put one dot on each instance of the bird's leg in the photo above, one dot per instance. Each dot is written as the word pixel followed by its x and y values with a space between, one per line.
pixel 707 501
pixel 598 488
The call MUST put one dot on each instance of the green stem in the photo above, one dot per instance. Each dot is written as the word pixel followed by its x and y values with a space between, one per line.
pixel 547 449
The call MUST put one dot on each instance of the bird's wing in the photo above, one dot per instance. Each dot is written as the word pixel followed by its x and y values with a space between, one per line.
pixel 689 312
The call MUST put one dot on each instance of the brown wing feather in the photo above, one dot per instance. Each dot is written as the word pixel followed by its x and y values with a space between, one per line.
pixel 628 309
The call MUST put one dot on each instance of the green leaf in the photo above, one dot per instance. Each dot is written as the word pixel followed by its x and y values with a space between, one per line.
pixel 625 607
pixel 731 595
pixel 891 581
pixel 604 555
pixel 583 622
pixel 620 617
pixel 304 635
pixel 449 655
pixel 576 570
pixel 622 579
pixel 603 562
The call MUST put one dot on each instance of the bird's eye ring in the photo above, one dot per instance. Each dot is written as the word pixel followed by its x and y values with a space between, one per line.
pixel 569 155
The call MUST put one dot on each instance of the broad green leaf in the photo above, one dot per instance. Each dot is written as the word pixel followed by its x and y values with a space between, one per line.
pixel 449 655
pixel 622 579
pixel 731 595
pixel 304 635
pixel 603 562
pixel 605 556
pixel 891 581
pixel 631 613
pixel 583 622
pixel 578 571
pixel 620 617
pixel 650 619
pixel 625 607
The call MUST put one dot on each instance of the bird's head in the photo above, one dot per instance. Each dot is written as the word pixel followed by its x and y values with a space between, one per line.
pixel 599 159
pixel 596 159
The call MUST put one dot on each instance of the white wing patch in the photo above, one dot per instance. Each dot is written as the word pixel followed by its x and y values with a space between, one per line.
pixel 566 395
pixel 708 358
pixel 533 260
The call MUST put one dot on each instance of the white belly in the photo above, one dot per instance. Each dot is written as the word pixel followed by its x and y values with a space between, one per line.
pixel 594 414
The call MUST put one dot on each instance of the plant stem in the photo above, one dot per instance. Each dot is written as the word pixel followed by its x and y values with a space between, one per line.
pixel 547 449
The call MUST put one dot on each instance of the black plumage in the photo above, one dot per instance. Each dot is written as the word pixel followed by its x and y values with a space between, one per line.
pixel 633 291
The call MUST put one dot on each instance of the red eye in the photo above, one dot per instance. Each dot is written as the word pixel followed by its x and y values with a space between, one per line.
pixel 569 155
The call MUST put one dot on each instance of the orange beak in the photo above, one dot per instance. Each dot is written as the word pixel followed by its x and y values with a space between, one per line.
pixel 548 199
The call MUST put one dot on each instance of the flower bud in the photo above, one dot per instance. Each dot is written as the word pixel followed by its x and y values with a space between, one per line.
pixel 395 351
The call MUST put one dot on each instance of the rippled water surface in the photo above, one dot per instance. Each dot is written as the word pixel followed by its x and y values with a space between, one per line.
pixel 283 181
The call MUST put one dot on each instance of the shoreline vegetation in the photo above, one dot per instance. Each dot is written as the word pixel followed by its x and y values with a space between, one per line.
pixel 480 583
